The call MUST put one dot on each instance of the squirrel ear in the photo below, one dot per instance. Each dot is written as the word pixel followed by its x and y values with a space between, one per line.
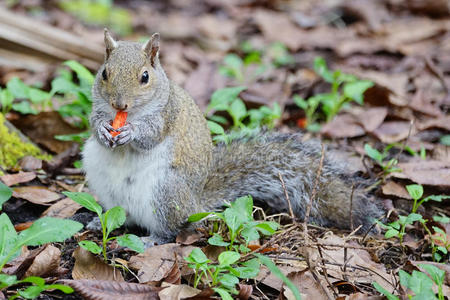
pixel 151 48
pixel 110 43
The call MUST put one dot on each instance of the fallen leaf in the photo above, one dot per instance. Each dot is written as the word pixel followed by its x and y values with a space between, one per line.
pixel 442 123
pixel 372 118
pixel 21 177
pixel 343 126
pixel 30 163
pixel 188 237
pixel 36 194
pixel 429 172
pixel 45 263
pixel 64 208
pixel 245 291
pixel 394 131
pixel 392 188
pixel 156 262
pixel 307 285
pixel 107 290
pixel 177 292
pixel 89 266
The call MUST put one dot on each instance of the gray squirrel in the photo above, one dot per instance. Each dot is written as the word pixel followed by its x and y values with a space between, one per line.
pixel 162 166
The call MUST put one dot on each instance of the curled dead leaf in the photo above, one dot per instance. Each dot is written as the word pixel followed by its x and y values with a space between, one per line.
pixel 107 290
pixel 36 194
pixel 64 208
pixel 177 291
pixel 45 263
pixel 21 177
pixel 89 266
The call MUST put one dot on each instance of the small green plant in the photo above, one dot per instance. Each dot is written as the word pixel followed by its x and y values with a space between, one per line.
pixel 43 231
pixel 34 290
pixel 100 12
pixel 419 283
pixel 237 223
pixel 380 158
pixel 243 119
pixel 29 99
pixel 345 88
pixel 242 228
pixel 445 140
pixel 110 220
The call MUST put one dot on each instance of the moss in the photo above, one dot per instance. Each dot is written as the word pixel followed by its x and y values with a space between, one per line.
pixel 12 148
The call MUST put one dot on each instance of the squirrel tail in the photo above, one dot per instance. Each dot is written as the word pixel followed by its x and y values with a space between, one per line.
pixel 251 166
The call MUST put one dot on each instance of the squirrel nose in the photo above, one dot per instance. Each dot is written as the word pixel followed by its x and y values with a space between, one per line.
pixel 119 106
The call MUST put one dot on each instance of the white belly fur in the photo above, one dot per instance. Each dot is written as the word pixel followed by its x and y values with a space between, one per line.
pixel 126 178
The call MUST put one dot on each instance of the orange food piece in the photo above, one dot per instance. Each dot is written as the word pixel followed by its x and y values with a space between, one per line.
pixel 23 226
pixel 119 121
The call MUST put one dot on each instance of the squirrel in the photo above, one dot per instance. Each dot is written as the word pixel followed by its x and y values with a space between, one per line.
pixel 162 167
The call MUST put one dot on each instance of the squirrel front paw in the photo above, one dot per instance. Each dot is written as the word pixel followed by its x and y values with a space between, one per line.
pixel 125 136
pixel 104 135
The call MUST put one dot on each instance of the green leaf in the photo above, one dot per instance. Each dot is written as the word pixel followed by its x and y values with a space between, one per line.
pixel 267 228
pixel 198 256
pixel 228 280
pixel 131 241
pixel 383 291
pixel 35 280
pixel 227 258
pixel 244 205
pixel 217 240
pixel 86 200
pixel 48 230
pixel 391 233
pixel 233 219
pixel 247 272
pixel 63 288
pixel 445 140
pixel 415 191
pixel 437 198
pixel 63 86
pixel 224 294
pixel 215 128
pixel 114 218
pixel 75 137
pixel 7 280
pixel 18 88
pixel 233 61
pixel 419 282
pixel 300 102
pixel 238 111
pixel 412 218
pixel 37 96
pixel 249 233
pixel 6 100
pixel 436 274
pixel 222 98
pixel 90 246
pixel 373 153
pixel 8 237
pixel 320 67
pixel 24 107
pixel 441 219
pixel 198 217
pixel 277 272
pixel 31 292
pixel 5 193
pixel 355 90
pixel 82 73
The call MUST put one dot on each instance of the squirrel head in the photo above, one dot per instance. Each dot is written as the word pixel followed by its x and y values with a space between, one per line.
pixel 130 74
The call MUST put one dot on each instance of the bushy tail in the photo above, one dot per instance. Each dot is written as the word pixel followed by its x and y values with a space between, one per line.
pixel 252 166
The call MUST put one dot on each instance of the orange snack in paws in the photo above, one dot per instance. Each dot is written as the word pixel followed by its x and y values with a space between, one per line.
pixel 119 121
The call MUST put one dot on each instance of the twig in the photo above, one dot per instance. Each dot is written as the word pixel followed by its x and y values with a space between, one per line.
pixel 325 273
pixel 291 212
pixel 351 207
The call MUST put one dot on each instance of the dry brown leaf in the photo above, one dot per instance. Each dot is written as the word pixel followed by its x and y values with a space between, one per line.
pixel 156 262
pixel 442 122
pixel 107 290
pixel 394 131
pixel 343 126
pixel 306 284
pixel 177 292
pixel 30 163
pixel 36 194
pixel 89 266
pixel 428 172
pixel 188 237
pixel 372 118
pixel 174 275
pixel 245 291
pixel 64 208
pixel 392 188
pixel 45 263
pixel 21 177
pixel 268 278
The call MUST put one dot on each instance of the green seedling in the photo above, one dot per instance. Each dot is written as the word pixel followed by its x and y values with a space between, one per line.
pixel 445 140
pixel 34 290
pixel 419 283
pixel 110 220
pixel 242 228
pixel 345 88
pixel 388 166
pixel 43 231
pixel 244 120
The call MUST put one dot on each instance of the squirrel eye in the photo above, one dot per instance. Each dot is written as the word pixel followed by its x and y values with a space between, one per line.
pixel 144 78
pixel 105 77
